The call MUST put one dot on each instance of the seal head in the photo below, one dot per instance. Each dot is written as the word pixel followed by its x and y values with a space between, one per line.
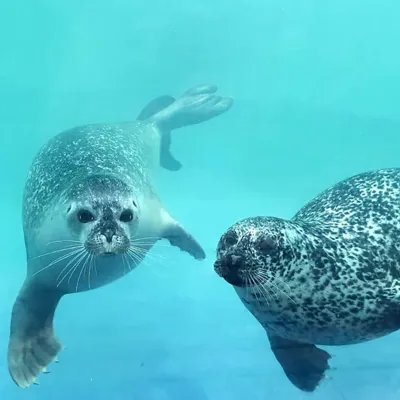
pixel 104 220
pixel 259 256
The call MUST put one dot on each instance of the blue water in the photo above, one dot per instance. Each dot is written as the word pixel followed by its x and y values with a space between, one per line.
pixel 316 87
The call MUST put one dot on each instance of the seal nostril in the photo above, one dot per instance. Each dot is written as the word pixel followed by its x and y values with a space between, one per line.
pixel 109 234
pixel 233 263
pixel 236 260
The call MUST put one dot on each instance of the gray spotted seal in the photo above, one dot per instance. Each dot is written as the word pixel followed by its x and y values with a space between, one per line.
pixel 90 215
pixel 328 276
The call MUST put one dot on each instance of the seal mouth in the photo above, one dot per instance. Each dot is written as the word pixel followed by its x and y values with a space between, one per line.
pixel 244 282
pixel 239 278
pixel 109 254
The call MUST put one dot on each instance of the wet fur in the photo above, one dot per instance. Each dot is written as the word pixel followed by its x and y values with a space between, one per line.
pixel 329 276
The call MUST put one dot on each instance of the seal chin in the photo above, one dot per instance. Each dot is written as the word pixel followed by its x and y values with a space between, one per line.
pixel 239 277
pixel 231 275
pixel 108 254
pixel 234 280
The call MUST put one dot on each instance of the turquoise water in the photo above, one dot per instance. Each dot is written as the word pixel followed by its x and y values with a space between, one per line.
pixel 316 100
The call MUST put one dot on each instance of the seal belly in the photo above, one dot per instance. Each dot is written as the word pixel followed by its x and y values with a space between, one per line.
pixel 332 319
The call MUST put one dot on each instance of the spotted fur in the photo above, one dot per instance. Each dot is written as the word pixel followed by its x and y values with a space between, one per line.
pixel 123 150
pixel 90 216
pixel 328 276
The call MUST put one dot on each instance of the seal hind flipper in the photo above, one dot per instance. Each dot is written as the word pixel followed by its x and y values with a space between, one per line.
pixel 303 363
pixel 32 345
pixel 196 105
pixel 155 106
pixel 167 160
pixel 178 236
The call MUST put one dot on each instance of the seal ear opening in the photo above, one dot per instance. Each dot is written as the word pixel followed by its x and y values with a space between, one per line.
pixel 32 345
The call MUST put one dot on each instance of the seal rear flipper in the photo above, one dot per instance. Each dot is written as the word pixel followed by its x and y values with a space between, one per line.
pixel 196 105
pixel 32 345
pixel 303 363
pixel 167 160
pixel 178 236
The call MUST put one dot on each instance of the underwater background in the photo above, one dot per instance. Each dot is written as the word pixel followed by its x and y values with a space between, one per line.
pixel 316 87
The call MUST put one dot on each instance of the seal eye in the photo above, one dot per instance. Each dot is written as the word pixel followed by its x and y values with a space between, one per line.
pixel 85 216
pixel 266 244
pixel 126 216
pixel 230 239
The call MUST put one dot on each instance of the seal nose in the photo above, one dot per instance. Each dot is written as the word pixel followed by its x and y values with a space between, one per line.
pixel 231 269
pixel 109 233
pixel 233 263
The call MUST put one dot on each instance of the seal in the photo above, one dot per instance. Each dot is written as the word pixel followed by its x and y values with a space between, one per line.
pixel 90 215
pixel 329 276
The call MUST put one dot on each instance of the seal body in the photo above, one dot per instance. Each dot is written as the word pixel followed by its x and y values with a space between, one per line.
pixel 91 214
pixel 329 276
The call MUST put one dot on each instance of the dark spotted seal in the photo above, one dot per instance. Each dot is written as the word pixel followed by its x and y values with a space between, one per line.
pixel 329 276
pixel 90 215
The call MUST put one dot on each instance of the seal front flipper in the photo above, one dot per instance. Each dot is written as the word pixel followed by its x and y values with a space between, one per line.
pixel 32 345
pixel 303 363
pixel 178 236
pixel 167 160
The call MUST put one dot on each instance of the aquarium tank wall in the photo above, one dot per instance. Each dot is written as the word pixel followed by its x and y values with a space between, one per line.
pixel 315 87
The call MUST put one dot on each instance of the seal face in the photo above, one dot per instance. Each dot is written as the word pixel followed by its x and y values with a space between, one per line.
pixel 329 276
pixel 91 214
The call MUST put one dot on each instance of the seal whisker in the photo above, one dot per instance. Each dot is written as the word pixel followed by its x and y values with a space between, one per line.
pixel 83 268
pixel 77 255
pixel 144 238
pixel 56 251
pixel 282 291
pixel 139 255
pixel 288 288
pixel 134 258
pixel 131 260
pixel 264 274
pixel 152 255
pixel 57 260
pixel 147 262
pixel 270 291
pixel 158 244
pixel 247 284
pixel 264 291
pixel 262 282
pixel 256 291
pixel 90 269
pixel 124 263
pixel 64 241
pixel 95 266
pixel 72 270
pixel 269 282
